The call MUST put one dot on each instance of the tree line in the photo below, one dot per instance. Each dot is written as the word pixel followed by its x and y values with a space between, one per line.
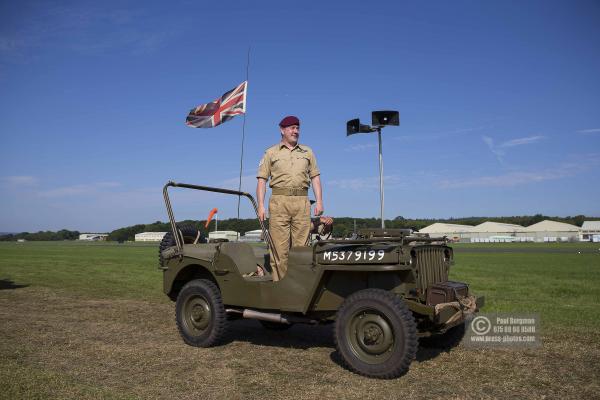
pixel 63 234
pixel 343 226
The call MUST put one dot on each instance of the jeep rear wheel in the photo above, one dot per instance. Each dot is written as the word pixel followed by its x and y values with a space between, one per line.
pixel 376 334
pixel 200 314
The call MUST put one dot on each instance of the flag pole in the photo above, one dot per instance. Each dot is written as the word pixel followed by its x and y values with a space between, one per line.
pixel 243 135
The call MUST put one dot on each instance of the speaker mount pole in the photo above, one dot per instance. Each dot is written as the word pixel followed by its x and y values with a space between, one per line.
pixel 381 197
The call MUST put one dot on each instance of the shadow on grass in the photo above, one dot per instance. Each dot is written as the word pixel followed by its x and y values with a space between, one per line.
pixel 6 284
pixel 298 336
pixel 302 337
pixel 429 353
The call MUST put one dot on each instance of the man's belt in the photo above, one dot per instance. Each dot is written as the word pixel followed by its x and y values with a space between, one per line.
pixel 283 191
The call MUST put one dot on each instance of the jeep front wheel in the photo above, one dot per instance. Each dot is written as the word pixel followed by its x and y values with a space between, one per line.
pixel 200 314
pixel 376 334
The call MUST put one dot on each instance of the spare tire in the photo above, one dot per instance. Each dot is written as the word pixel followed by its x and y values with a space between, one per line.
pixel 189 235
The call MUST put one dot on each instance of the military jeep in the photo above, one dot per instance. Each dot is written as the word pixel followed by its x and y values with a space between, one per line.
pixel 384 290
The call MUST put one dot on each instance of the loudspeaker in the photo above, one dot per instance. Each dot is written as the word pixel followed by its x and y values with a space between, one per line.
pixel 381 118
pixel 354 126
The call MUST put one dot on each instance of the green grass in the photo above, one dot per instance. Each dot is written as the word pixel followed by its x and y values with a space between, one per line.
pixel 93 323
pixel 588 246
pixel 564 287
pixel 98 270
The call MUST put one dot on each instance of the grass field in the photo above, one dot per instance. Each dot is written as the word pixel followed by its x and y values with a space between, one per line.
pixel 90 321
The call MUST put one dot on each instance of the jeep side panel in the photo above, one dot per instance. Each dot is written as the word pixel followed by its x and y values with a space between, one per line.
pixel 337 284
pixel 288 294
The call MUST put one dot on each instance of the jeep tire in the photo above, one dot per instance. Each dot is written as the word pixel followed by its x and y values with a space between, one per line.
pixel 376 334
pixel 200 314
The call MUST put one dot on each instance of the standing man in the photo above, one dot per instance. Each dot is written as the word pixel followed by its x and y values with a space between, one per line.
pixel 292 168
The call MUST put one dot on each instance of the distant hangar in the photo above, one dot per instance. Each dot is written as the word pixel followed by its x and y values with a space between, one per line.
pixel 149 236
pixel 544 231
pixel 93 236
pixel 590 231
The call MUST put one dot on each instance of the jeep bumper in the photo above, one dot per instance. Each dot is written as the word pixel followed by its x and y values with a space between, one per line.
pixel 447 315
pixel 456 312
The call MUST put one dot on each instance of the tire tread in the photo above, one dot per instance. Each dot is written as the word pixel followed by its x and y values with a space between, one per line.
pixel 391 300
pixel 219 324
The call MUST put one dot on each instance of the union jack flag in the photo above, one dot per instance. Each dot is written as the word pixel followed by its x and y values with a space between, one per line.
pixel 222 109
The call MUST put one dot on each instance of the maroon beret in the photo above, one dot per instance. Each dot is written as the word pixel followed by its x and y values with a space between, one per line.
pixel 289 121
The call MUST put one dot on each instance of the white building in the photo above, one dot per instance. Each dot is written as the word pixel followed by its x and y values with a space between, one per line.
pixel 455 232
pixel 149 236
pixel 231 236
pixel 552 231
pixel 492 232
pixel 252 236
pixel 93 236
pixel 589 230
pixel 497 232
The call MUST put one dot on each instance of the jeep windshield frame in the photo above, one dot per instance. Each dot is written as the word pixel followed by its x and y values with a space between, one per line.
pixel 179 241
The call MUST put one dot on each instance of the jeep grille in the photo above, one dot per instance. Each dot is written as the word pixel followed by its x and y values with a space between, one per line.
pixel 431 265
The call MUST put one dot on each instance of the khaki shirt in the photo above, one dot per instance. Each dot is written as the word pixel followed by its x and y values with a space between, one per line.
pixel 288 168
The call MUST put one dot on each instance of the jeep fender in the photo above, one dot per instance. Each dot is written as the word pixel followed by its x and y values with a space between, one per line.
pixel 178 275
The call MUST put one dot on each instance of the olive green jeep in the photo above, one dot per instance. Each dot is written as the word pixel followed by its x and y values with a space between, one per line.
pixel 384 290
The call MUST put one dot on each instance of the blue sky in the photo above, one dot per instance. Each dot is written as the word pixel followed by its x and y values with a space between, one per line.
pixel 499 105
